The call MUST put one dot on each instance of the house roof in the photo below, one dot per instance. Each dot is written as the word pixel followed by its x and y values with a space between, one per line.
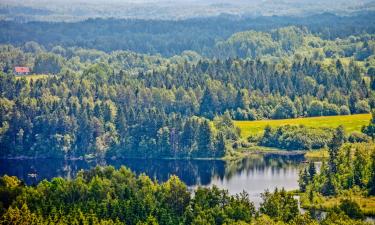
pixel 20 69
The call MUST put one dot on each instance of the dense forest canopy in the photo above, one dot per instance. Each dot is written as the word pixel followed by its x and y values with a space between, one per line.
pixel 168 37
pixel 94 88
pixel 127 104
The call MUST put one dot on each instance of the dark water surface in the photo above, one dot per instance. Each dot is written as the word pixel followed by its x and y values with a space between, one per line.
pixel 254 174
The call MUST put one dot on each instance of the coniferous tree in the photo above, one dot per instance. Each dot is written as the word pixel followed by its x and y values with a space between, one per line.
pixel 334 145
pixel 312 171
pixel 204 138
pixel 371 183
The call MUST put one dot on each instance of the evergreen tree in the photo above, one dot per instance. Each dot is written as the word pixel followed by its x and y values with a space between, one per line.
pixel 188 135
pixel 208 103
pixel 204 139
pixel 312 171
pixel 303 180
pixel 334 147
pixel 220 148
pixel 359 168
pixel 371 183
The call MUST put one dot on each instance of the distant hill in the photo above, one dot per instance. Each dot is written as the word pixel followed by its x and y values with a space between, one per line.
pixel 169 37
pixel 163 9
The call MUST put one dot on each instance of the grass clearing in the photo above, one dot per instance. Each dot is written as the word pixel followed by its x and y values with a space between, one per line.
pixel 317 154
pixel 350 122
pixel 33 77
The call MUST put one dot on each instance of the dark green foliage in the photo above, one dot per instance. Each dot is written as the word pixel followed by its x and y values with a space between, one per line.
pixel 306 176
pixel 284 110
pixel 279 205
pixel 48 64
pixel 356 137
pixel 303 180
pixel 351 209
pixel 109 196
pixel 10 188
pixel 354 164
pixel 329 187
pixel 124 104
pixel 295 137
pixel 199 34
pixel 312 171
pixel 333 147
pixel 371 183
pixel 370 129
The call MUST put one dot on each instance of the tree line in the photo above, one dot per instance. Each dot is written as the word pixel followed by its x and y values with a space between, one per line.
pixel 169 37
pixel 104 195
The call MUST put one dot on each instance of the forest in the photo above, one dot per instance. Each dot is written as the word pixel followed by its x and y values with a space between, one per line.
pixel 127 104
pixel 109 196
pixel 113 88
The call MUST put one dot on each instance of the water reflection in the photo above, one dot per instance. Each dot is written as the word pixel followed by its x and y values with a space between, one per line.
pixel 253 174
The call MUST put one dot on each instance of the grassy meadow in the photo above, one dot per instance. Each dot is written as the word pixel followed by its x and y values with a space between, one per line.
pixel 350 122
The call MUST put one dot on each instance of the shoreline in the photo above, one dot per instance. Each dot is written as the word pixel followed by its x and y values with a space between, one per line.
pixel 238 155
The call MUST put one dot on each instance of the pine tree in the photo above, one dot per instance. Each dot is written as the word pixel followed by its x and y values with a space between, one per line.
pixel 312 171
pixel 188 135
pixel 358 169
pixel 220 146
pixel 371 183
pixel 303 180
pixel 334 147
pixel 204 138
pixel 208 103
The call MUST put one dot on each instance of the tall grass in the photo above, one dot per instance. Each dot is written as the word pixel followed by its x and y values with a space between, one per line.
pixel 350 122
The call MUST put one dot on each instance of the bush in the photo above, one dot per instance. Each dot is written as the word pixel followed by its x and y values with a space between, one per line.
pixel 344 110
pixel 315 108
pixel 295 137
pixel 362 107
pixel 284 110
pixel 351 209
pixel 356 137
pixel 330 109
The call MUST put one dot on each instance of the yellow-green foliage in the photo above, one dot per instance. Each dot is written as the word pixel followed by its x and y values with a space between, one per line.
pixel 366 203
pixel 350 122
pixel 33 77
pixel 317 154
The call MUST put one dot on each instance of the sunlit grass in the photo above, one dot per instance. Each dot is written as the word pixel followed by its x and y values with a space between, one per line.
pixel 350 122
pixel 317 154
pixel 33 77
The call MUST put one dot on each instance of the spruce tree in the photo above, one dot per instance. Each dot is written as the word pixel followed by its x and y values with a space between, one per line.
pixel 334 147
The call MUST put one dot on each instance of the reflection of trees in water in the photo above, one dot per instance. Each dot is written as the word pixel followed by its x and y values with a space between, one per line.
pixel 262 163
pixel 43 168
pixel 192 172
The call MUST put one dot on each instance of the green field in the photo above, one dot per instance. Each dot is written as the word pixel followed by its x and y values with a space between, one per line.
pixel 351 123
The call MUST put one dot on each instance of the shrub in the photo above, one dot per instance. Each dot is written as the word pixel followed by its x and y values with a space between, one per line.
pixel 295 137
pixel 351 209
pixel 362 107
pixel 344 110
pixel 356 137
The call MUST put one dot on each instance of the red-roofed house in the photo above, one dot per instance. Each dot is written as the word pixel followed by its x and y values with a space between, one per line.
pixel 19 70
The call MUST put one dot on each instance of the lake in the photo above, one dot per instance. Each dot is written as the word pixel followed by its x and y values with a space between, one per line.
pixel 253 174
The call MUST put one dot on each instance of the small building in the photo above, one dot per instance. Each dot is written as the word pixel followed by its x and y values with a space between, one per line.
pixel 19 70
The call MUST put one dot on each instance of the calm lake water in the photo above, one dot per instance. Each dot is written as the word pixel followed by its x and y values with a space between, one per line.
pixel 254 174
